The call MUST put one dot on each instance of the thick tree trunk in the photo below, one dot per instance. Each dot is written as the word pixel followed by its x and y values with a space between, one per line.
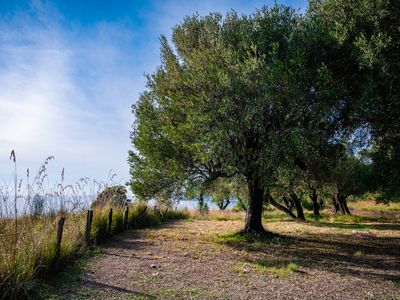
pixel 335 203
pixel 299 208
pixel 343 204
pixel 289 203
pixel 346 208
pixel 281 207
pixel 255 206
pixel 314 199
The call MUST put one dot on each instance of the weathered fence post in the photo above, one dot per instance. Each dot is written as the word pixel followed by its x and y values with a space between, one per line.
pixel 60 229
pixel 126 218
pixel 110 220
pixel 89 219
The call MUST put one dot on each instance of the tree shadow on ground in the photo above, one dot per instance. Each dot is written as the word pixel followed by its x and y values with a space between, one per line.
pixel 134 239
pixel 370 256
pixel 356 226
pixel 113 288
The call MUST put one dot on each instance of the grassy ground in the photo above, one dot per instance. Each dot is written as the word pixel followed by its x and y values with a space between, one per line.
pixel 332 257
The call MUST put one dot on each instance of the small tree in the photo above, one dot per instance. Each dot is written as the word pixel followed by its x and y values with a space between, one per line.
pixel 114 196
pixel 221 192
pixel 37 205
pixel 349 177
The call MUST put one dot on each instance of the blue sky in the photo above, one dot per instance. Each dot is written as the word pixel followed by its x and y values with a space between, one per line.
pixel 70 71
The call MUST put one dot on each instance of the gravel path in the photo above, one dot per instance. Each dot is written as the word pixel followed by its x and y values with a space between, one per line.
pixel 188 260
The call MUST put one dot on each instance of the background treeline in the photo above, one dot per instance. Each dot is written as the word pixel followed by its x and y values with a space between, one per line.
pixel 276 107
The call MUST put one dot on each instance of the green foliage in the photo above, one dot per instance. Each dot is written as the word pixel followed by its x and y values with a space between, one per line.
pixel 367 43
pixel 113 196
pixel 203 207
pixel 306 203
pixel 221 192
pixel 254 97
pixel 100 227
pixel 141 216
pixel 118 221
pixel 38 202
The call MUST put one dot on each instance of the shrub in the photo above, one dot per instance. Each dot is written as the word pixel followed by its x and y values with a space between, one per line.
pixel 113 196
pixel 100 227
pixel 307 204
pixel 37 206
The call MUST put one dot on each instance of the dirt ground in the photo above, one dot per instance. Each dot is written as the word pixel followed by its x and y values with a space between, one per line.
pixel 203 259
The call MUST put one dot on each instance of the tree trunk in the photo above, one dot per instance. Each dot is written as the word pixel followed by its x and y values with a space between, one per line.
pixel 299 208
pixel 346 208
pixel 255 206
pixel 281 207
pixel 314 199
pixel 225 204
pixel 335 203
pixel 343 204
pixel 201 203
pixel 289 203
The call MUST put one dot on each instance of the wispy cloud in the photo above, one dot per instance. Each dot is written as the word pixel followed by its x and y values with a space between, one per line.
pixel 65 91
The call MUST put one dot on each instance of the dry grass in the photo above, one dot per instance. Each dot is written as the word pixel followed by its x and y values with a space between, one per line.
pixel 36 244
pixel 29 214
pixel 373 206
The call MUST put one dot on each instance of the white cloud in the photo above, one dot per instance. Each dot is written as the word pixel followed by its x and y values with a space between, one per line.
pixel 64 92
pixel 66 89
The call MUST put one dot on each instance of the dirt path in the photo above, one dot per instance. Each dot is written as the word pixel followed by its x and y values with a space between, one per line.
pixel 189 260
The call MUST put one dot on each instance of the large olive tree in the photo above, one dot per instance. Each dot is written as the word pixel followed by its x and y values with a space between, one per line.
pixel 240 95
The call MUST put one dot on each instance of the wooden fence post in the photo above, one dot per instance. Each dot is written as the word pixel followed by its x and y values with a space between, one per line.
pixel 60 229
pixel 110 220
pixel 89 219
pixel 126 218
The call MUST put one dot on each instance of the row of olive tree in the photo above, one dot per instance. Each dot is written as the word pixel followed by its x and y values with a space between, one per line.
pixel 275 100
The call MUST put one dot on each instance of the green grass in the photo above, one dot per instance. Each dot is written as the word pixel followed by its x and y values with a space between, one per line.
pixel 191 292
pixel 276 267
pixel 239 268
pixel 338 218
pixel 372 206
pixel 396 282
pixel 57 287
pixel 221 218
pixel 249 241
pixel 275 215
pixel 281 268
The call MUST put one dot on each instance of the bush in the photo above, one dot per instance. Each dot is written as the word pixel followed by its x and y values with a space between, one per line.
pixel 113 196
pixel 307 204
pixel 117 221
pixel 37 206
pixel 100 228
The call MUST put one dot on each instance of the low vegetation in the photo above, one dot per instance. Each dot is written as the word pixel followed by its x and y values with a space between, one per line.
pixel 28 231
pixel 31 260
